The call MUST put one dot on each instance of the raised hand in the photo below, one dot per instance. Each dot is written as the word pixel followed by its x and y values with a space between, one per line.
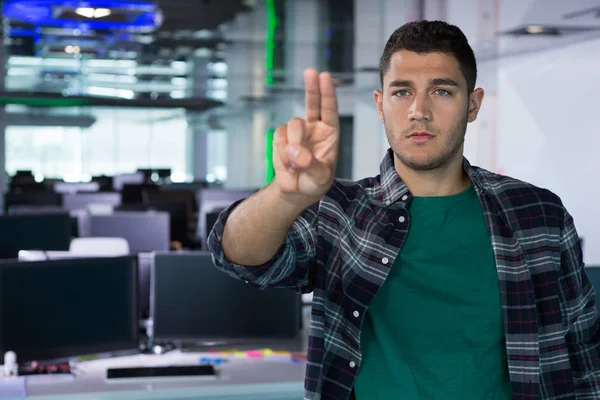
pixel 305 151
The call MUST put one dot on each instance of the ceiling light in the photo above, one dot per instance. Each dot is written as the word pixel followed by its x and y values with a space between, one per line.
pixel 533 29
pixel 102 12
pixel 85 12
pixel 179 81
pixel 177 94
pixel 110 92
pixel 89 12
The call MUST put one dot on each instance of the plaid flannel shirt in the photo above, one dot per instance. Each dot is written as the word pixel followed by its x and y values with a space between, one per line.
pixel 342 249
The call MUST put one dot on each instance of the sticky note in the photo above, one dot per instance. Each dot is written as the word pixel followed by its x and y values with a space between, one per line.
pixel 254 354
pixel 267 352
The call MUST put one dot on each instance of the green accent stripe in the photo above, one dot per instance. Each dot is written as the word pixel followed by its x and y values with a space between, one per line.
pixel 41 102
pixel 269 67
pixel 269 154
pixel 270 41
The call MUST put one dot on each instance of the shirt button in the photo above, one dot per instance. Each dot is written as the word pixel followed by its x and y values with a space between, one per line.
pixel 404 197
pixel 356 314
pixel 352 364
pixel 385 260
pixel 401 219
pixel 388 202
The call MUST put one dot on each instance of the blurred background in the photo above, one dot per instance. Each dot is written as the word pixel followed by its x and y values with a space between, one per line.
pixel 141 120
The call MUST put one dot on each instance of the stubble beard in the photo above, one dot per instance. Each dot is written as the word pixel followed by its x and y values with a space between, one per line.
pixel 453 142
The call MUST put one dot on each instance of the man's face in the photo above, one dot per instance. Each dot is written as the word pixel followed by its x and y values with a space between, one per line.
pixel 425 107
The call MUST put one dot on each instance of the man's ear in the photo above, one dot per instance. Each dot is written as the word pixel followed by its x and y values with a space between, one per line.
pixel 475 100
pixel 378 97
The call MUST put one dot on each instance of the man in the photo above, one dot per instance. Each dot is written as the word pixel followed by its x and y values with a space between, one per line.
pixel 435 279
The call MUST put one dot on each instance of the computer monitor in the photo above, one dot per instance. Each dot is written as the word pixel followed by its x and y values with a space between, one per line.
pixel 144 231
pixel 105 182
pixel 163 172
pixel 147 172
pixel 136 193
pixel 179 218
pixel 174 196
pixel 32 199
pixel 65 308
pixel 192 301
pixel 34 232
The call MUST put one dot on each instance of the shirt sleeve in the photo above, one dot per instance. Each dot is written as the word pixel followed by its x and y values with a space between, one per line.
pixel 291 267
pixel 578 297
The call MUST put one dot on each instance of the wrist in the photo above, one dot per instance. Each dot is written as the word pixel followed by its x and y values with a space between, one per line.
pixel 294 202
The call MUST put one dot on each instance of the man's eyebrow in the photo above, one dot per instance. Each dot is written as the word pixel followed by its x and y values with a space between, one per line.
pixel 442 82
pixel 401 83
pixel 432 82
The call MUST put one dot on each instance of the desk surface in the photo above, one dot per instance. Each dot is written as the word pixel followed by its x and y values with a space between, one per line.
pixel 240 378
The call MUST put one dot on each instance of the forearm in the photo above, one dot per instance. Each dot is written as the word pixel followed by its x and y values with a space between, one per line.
pixel 257 227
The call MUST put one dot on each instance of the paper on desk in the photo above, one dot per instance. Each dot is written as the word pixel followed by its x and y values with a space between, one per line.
pixel 13 388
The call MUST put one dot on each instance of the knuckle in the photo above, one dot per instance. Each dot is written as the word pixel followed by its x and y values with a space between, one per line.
pixel 296 122
pixel 281 130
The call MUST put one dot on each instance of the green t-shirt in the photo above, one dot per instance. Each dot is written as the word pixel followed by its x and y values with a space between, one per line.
pixel 435 328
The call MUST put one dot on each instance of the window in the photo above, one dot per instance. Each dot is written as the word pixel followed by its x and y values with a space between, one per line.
pixel 120 141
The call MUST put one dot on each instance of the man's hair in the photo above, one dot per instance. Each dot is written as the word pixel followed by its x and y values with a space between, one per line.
pixel 424 37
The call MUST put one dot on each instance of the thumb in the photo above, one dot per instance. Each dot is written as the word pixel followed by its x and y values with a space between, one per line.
pixel 304 161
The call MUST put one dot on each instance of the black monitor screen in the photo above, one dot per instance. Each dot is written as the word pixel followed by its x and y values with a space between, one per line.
pixel 34 232
pixel 193 301
pixel 64 308
pixel 32 199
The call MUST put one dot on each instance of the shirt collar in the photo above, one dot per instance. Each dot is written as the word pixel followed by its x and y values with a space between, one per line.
pixel 392 188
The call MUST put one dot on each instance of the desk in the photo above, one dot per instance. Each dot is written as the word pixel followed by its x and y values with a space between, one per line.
pixel 240 378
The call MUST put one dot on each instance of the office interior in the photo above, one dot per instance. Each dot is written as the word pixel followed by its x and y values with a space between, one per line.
pixel 127 126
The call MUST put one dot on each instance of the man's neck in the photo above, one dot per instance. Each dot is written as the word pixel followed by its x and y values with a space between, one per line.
pixel 446 181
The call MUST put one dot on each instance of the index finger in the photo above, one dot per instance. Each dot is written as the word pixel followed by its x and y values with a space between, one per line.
pixel 312 96
pixel 329 106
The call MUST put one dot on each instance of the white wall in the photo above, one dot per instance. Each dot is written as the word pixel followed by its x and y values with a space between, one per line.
pixel 548 129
